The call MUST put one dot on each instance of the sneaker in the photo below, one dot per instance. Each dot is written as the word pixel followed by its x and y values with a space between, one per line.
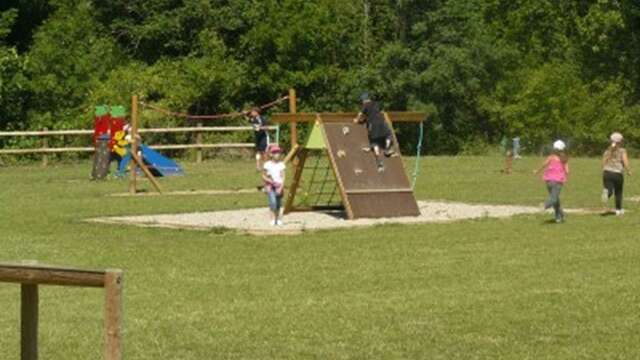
pixel 620 212
pixel 389 152
pixel 605 195
pixel 272 223
pixel 380 168
pixel 279 222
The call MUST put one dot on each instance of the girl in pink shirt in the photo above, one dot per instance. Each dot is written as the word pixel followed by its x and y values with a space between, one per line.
pixel 556 170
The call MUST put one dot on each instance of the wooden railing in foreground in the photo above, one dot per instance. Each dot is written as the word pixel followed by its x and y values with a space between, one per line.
pixel 45 150
pixel 30 275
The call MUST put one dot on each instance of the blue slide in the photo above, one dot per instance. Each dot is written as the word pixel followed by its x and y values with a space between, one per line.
pixel 158 164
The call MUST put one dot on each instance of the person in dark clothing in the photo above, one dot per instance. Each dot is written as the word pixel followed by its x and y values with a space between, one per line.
pixel 615 162
pixel 380 136
pixel 259 124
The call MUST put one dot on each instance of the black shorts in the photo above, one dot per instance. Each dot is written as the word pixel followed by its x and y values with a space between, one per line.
pixel 379 141
pixel 262 142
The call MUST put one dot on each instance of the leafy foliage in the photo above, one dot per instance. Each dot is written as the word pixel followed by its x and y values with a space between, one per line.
pixel 483 69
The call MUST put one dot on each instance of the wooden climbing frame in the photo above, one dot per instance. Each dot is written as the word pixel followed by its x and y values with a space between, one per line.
pixel 31 275
pixel 365 191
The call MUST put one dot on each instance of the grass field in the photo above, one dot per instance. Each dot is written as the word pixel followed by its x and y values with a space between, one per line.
pixel 517 288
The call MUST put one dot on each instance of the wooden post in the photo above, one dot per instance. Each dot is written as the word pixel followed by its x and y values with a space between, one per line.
pixel 134 143
pixel 45 145
pixel 113 315
pixel 147 173
pixel 199 142
pixel 293 108
pixel 29 322
pixel 297 176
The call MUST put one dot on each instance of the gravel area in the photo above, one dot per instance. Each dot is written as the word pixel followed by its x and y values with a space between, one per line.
pixel 256 221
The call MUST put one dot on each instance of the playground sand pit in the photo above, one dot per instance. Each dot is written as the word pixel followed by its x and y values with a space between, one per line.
pixel 256 221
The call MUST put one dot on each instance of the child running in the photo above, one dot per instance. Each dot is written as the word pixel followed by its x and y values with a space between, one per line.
pixel 556 170
pixel 614 163
pixel 274 176
pixel 379 134
pixel 259 124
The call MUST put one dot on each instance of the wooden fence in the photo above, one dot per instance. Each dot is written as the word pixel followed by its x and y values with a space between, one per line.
pixel 31 275
pixel 198 143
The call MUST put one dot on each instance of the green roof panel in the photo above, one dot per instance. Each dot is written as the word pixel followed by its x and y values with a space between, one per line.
pixel 315 141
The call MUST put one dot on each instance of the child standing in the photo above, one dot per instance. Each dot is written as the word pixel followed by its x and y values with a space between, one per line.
pixel 380 135
pixel 274 176
pixel 259 124
pixel 556 170
pixel 614 163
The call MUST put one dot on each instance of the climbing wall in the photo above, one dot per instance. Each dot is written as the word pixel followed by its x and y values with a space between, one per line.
pixel 366 192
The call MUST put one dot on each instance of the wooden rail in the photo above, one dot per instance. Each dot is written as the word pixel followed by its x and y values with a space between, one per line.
pixel 198 146
pixel 30 275
pixel 394 116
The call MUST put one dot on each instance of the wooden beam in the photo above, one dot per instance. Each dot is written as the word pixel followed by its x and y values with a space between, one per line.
pixel 297 176
pixel 406 116
pixel 395 116
pixel 134 144
pixel 293 108
pixel 113 282
pixel 286 118
pixel 294 150
pixel 29 322
pixel 146 172
pixel 27 274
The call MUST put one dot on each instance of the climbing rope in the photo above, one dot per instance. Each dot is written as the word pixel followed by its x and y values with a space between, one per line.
pixel 416 169
pixel 209 117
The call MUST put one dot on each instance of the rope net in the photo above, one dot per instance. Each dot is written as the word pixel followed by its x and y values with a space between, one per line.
pixel 318 186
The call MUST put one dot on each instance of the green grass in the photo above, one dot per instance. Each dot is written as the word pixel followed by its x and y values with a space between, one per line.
pixel 516 288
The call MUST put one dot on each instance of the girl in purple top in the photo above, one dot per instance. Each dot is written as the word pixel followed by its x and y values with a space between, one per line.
pixel 556 170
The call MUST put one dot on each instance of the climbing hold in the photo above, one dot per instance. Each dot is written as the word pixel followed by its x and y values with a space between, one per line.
pixel 345 130
pixel 357 171
pixel 341 153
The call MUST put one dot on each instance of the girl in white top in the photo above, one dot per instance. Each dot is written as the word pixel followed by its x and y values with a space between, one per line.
pixel 274 177
pixel 614 163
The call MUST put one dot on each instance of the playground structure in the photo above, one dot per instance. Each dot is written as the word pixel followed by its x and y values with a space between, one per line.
pixel 351 172
pixel 346 176
pixel 110 138
pixel 160 165
pixel 30 275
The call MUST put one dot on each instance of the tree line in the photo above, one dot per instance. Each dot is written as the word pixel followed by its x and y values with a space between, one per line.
pixel 482 69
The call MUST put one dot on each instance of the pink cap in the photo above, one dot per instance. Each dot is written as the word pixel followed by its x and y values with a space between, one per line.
pixel 274 149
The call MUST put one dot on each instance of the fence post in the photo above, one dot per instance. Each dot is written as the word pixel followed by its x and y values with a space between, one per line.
pixel 113 315
pixel 29 322
pixel 45 146
pixel 134 145
pixel 199 142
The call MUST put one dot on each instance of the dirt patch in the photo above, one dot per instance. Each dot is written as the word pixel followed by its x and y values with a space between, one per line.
pixel 256 221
